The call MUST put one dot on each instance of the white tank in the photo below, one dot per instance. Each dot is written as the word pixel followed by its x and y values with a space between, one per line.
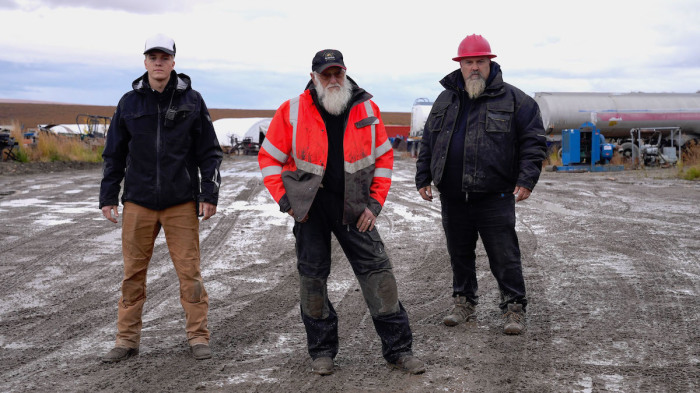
pixel 419 114
pixel 616 113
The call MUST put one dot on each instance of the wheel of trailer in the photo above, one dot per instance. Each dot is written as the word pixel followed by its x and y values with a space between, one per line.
pixel 629 152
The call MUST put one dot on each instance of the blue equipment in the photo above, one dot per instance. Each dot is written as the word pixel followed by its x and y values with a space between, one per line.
pixel 584 149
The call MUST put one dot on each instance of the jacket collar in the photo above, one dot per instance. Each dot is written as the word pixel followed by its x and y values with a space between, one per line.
pixel 179 82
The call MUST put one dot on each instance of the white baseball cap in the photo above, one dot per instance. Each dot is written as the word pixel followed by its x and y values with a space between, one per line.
pixel 160 42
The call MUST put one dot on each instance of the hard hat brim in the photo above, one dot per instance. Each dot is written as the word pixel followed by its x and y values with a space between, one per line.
pixel 477 54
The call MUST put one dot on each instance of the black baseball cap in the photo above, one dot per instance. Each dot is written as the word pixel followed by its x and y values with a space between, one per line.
pixel 327 58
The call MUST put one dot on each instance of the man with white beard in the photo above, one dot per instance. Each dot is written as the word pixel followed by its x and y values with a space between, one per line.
pixel 327 162
pixel 483 146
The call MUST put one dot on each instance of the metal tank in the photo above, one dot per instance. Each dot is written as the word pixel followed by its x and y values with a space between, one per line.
pixel 615 114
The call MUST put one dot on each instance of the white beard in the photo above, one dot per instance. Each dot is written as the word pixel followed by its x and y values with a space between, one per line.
pixel 334 101
pixel 475 87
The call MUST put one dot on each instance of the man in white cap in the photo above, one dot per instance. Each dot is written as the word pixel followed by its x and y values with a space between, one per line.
pixel 161 139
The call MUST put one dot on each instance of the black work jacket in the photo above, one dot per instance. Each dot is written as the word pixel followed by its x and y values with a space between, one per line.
pixel 504 145
pixel 159 144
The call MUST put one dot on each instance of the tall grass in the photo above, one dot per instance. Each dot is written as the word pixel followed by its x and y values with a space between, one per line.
pixel 50 147
pixel 689 167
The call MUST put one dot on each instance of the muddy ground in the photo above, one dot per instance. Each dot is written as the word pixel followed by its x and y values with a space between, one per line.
pixel 611 262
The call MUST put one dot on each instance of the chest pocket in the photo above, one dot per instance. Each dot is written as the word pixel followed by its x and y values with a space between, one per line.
pixel 140 121
pixel 184 110
pixel 499 117
pixel 436 119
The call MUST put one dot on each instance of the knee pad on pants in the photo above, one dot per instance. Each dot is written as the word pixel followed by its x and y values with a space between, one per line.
pixel 380 292
pixel 313 294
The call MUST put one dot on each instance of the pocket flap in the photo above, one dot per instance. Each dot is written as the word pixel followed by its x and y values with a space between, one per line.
pixel 368 121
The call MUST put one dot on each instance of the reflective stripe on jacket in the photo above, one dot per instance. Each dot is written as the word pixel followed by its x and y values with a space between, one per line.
pixel 294 155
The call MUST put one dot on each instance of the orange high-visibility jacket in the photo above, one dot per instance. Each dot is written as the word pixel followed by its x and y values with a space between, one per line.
pixel 294 154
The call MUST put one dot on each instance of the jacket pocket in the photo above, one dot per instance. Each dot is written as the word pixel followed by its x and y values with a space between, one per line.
pixel 140 122
pixel 437 116
pixel 377 240
pixel 498 118
pixel 183 111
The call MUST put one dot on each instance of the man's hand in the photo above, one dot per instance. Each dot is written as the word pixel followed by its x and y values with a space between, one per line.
pixel 366 221
pixel 426 193
pixel 107 212
pixel 521 193
pixel 207 210
pixel 291 213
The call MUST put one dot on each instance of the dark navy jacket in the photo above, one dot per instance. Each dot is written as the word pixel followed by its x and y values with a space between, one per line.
pixel 161 159
pixel 504 144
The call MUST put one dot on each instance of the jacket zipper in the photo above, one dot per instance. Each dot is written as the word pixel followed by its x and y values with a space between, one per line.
pixel 158 158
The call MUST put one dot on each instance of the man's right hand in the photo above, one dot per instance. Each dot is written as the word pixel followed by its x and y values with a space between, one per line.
pixel 426 193
pixel 291 213
pixel 107 212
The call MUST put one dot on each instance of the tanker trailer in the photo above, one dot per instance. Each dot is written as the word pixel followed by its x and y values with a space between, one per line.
pixel 641 124
pixel 419 115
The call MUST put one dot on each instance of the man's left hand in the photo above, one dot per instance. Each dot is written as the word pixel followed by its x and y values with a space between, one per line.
pixel 366 221
pixel 521 193
pixel 206 210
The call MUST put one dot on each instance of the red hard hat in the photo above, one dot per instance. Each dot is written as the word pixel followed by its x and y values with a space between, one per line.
pixel 472 46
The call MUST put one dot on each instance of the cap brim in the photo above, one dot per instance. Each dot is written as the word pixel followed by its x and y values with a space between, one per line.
pixel 160 48
pixel 325 66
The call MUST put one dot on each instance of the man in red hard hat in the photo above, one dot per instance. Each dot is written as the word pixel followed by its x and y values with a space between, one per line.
pixel 327 162
pixel 483 146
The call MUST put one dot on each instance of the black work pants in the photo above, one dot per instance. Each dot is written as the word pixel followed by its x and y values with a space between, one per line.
pixel 491 216
pixel 371 265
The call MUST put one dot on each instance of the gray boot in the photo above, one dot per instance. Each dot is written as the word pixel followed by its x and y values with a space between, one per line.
pixel 463 311
pixel 117 354
pixel 322 365
pixel 515 319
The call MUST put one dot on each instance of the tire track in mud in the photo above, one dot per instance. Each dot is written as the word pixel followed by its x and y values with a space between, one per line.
pixel 161 257
pixel 598 192
pixel 62 239
pixel 674 312
pixel 620 280
pixel 222 230
pixel 69 304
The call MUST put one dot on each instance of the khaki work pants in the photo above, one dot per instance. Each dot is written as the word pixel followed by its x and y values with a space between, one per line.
pixel 140 227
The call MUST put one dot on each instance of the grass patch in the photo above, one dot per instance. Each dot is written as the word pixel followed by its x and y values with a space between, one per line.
pixel 48 147
pixel 553 157
pixel 689 166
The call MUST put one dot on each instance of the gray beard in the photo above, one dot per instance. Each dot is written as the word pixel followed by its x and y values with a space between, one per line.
pixel 475 87
pixel 334 101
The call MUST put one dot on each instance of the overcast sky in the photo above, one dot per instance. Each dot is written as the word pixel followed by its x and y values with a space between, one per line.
pixel 256 54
